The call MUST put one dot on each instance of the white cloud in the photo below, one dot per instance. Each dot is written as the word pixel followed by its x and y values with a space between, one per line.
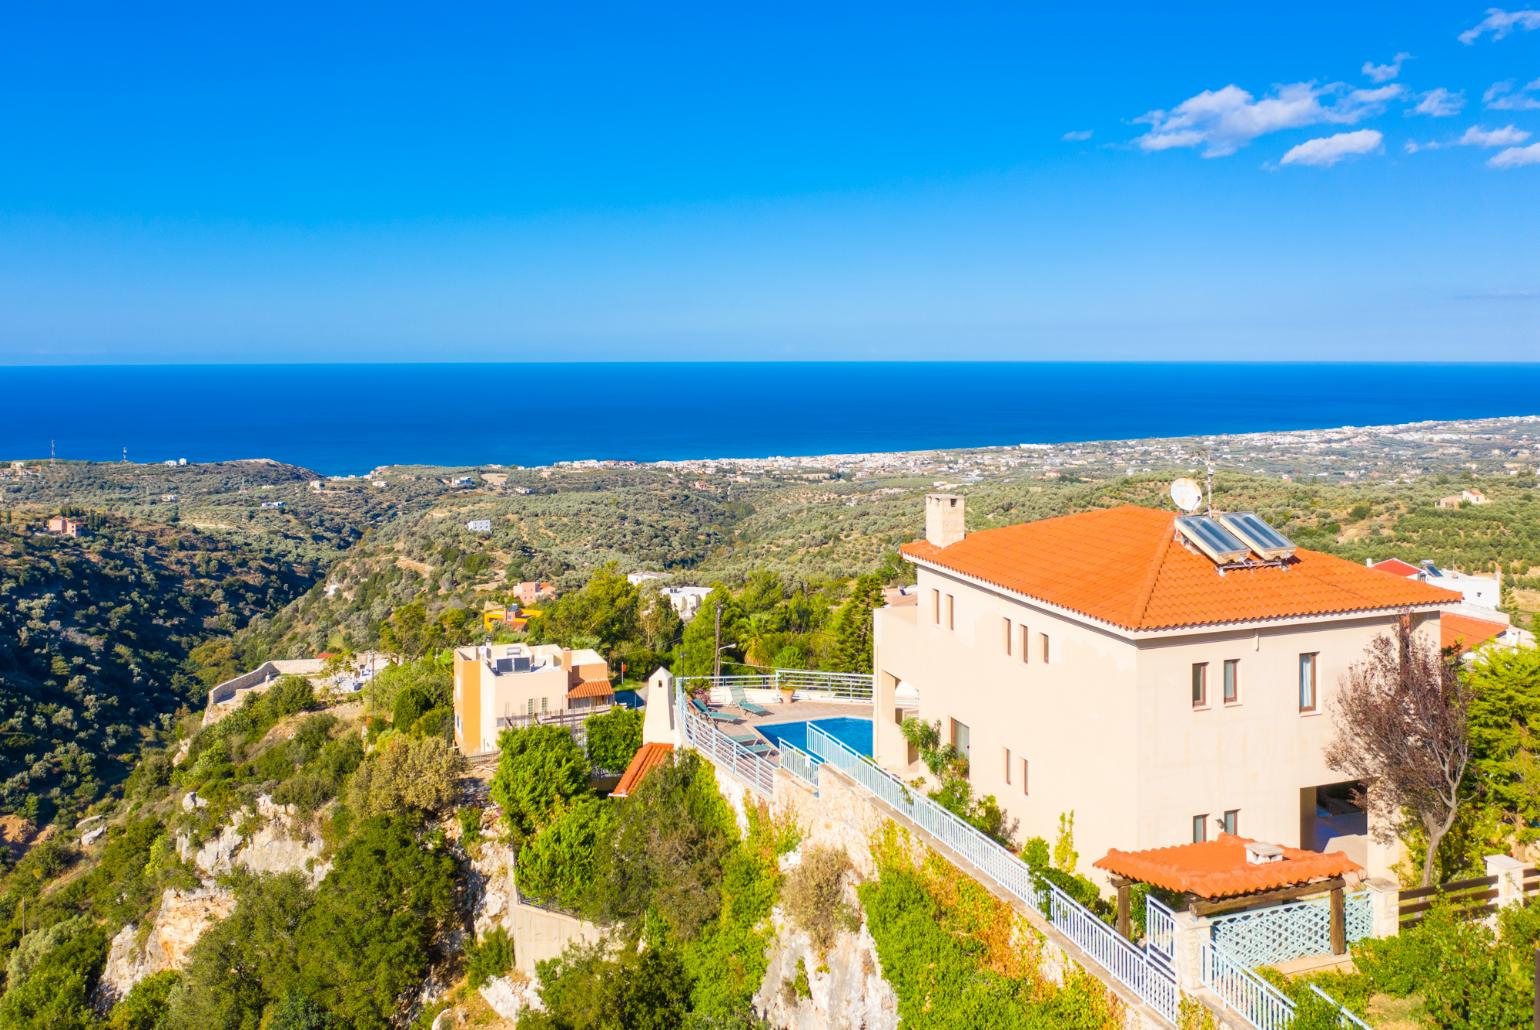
pixel 1499 23
pixel 1078 136
pixel 1385 72
pixel 1516 157
pixel 1501 96
pixel 1328 150
pixel 1440 103
pixel 1507 136
pixel 1224 120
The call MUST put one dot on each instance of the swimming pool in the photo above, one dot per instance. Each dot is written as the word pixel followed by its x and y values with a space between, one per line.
pixel 855 733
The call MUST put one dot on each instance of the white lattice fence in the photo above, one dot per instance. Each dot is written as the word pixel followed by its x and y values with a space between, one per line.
pixel 1279 933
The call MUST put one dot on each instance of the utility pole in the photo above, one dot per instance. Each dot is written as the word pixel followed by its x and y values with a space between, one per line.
pixel 716 672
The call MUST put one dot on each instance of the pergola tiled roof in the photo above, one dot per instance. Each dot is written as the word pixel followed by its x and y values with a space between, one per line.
pixel 1221 868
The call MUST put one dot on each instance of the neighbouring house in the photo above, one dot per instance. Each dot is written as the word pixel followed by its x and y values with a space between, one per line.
pixel 66 526
pixel 511 617
pixel 531 592
pixel 479 525
pixel 1483 592
pixel 686 601
pixel 1462 498
pixel 273 505
pixel 1163 678
pixel 636 579
pixel 1464 635
pixel 500 686
pixel 338 677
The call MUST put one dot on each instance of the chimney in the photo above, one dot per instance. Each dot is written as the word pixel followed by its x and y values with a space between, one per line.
pixel 943 519
pixel 1258 853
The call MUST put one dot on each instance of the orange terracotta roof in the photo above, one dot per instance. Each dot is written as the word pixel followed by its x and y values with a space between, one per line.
pixel 647 758
pixel 1397 567
pixel 1219 869
pixel 1126 566
pixel 1465 632
pixel 591 688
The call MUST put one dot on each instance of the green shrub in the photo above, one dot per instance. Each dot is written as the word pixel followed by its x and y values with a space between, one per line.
pixel 146 1004
pixel 614 737
pixel 559 866
pixel 813 896
pixel 539 770
pixel 407 774
pixel 488 957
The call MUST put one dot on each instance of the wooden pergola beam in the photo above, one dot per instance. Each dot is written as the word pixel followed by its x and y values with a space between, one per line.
pixel 1215 906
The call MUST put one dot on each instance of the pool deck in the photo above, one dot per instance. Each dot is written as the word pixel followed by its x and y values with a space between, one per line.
pixel 797 711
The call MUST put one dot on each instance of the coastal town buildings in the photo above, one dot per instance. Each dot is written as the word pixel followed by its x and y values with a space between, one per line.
pixel 1155 681
pixel 499 686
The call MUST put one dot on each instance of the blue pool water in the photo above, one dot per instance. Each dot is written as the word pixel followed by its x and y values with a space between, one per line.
pixel 856 733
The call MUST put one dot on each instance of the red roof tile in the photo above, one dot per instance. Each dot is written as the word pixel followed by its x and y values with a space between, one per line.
pixel 1465 632
pixel 1219 868
pixel 1126 566
pixel 647 758
pixel 1397 567
pixel 592 688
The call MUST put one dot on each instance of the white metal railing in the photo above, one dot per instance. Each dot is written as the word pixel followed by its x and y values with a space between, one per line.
pixel 799 763
pixel 1159 931
pixel 1129 965
pixel 809 683
pixel 1253 998
pixel 1281 933
pixel 755 771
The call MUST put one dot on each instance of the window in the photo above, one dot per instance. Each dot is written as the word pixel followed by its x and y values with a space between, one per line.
pixel 1307 681
pixel 1024 776
pixel 1043 639
pixel 960 737
pixel 1200 828
pixel 1006 625
pixel 1199 684
pixel 1231 820
pixel 951 612
pixel 1007 766
pixel 1232 680
pixel 529 707
pixel 935 606
pixel 1026 642
pixel 543 705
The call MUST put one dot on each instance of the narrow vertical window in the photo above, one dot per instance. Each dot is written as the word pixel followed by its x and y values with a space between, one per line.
pixel 1024 770
pixel 1043 639
pixel 1232 680
pixel 951 612
pixel 1200 828
pixel 935 607
pixel 1307 681
pixel 1232 821
pixel 1007 767
pixel 1026 645
pixel 1199 684
pixel 1006 626
pixel 960 736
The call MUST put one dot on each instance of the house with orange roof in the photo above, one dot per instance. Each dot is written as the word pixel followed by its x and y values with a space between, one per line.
pixel 502 686
pixel 1166 678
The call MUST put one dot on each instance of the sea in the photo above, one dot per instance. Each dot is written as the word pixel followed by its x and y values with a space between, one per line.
pixel 341 419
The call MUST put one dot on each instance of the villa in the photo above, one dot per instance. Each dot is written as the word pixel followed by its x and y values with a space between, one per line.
pixel 1164 678
pixel 499 686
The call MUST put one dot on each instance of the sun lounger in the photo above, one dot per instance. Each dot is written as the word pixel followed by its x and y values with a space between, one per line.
pixel 701 709
pixel 752 742
pixel 741 700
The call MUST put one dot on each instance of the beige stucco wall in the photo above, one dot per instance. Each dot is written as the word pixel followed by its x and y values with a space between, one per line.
pixel 1107 724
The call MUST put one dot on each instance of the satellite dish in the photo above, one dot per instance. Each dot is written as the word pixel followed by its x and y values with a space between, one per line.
pixel 1186 494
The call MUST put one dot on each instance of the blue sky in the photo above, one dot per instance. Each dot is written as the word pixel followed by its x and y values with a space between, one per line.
pixel 1317 181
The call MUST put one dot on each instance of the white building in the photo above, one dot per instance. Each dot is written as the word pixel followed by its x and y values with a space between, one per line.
pixel 1161 681
pixel 686 600
pixel 479 525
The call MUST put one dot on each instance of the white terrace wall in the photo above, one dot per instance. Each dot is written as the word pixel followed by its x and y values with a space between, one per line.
pixel 539 935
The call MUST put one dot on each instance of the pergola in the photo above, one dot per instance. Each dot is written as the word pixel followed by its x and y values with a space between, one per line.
pixel 1231 872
